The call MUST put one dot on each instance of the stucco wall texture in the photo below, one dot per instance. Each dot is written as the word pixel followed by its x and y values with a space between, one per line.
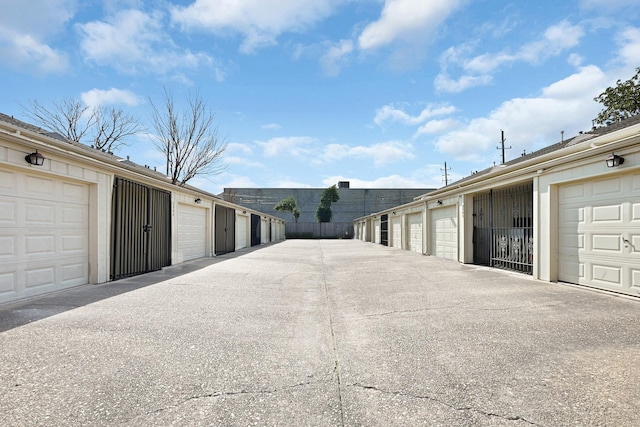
pixel 353 203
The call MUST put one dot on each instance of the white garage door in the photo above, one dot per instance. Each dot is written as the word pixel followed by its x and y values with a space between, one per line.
pixel 192 232
pixel 414 227
pixel 444 233
pixel 44 235
pixel 599 234
pixel 241 231
pixel 396 232
pixel 376 231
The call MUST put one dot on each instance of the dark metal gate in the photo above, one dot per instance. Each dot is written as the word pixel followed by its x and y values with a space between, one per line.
pixel 503 228
pixel 384 230
pixel 141 229
pixel 255 230
pixel 225 230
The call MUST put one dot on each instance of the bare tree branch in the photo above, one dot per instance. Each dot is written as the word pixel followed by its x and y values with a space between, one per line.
pixel 104 128
pixel 112 127
pixel 189 141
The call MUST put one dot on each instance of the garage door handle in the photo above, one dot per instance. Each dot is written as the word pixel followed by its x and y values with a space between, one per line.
pixel 627 243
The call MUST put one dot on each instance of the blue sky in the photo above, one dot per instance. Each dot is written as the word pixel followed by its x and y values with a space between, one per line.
pixel 307 93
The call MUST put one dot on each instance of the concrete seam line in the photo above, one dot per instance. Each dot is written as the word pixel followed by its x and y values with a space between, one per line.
pixel 333 335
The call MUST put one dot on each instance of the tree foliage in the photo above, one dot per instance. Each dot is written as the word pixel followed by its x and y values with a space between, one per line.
pixel 104 128
pixel 329 195
pixel 189 140
pixel 289 204
pixel 621 101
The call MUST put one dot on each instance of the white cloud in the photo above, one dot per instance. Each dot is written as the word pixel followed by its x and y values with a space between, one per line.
pixel 529 123
pixel 629 42
pixel 390 113
pixel 391 181
pixel 271 126
pixel 259 22
pixel 133 41
pixel 25 29
pixel 381 153
pixel 477 70
pixel 443 83
pixel 334 58
pixel 556 39
pixel 293 146
pixel 436 126
pixel 97 97
pixel 236 147
pixel 243 161
pixel 406 20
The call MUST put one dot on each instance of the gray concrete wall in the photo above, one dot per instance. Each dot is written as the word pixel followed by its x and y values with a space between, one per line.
pixel 353 203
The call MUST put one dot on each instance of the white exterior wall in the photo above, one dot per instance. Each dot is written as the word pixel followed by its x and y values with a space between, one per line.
pixel 395 231
pixel 56 171
pixel 243 230
pixel 551 221
pixel 74 211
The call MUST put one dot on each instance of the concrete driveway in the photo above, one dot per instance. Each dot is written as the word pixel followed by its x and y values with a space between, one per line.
pixel 322 333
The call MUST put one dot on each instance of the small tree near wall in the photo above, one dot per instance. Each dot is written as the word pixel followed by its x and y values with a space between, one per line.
pixel 329 196
pixel 289 204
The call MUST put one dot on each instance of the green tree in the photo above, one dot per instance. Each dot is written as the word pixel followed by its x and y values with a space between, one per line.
pixel 329 195
pixel 621 101
pixel 289 204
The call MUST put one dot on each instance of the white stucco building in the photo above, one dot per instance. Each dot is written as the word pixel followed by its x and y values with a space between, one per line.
pixel 567 213
pixel 86 217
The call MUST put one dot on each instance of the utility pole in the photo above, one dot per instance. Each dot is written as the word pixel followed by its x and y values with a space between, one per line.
pixel 446 176
pixel 503 147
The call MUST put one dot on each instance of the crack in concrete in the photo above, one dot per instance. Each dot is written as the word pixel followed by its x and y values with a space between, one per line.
pixel 416 310
pixel 219 394
pixel 441 402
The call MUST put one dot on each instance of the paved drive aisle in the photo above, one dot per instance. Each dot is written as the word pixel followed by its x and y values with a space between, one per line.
pixel 322 333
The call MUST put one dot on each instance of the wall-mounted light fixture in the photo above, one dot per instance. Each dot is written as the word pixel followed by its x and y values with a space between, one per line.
pixel 35 159
pixel 439 202
pixel 198 200
pixel 394 212
pixel 244 212
pixel 614 160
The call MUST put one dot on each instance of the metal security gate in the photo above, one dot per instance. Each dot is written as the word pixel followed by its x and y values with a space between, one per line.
pixel 255 230
pixel 141 229
pixel 503 228
pixel 225 230
pixel 384 230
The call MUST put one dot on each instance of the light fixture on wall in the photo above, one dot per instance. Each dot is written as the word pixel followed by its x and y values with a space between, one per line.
pixel 394 212
pixel 440 202
pixel 614 160
pixel 244 212
pixel 198 200
pixel 35 159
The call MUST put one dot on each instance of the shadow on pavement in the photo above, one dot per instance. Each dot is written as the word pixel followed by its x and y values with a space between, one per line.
pixel 19 313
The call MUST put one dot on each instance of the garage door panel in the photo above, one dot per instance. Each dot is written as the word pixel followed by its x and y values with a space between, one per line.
pixel 415 232
pixel 444 233
pixel 609 274
pixel 607 213
pixel 396 232
pixel 192 237
pixel 607 187
pixel 44 234
pixel 593 230
pixel 635 278
pixel 241 234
